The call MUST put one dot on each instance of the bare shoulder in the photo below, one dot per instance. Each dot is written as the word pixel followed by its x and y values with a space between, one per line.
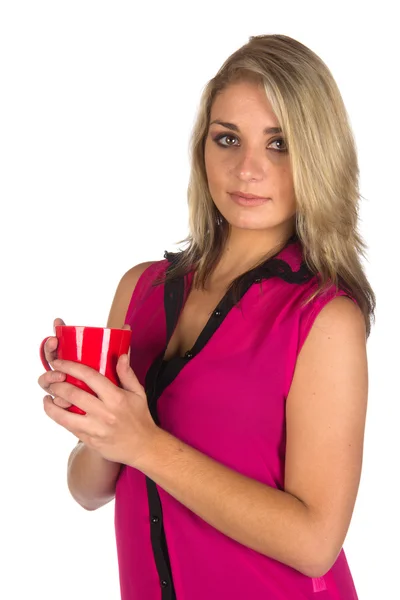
pixel 343 311
pixel 325 423
pixel 123 294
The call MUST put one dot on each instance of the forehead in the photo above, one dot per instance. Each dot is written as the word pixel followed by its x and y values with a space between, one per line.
pixel 241 98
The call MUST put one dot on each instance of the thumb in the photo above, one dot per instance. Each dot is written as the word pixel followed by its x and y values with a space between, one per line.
pixel 127 326
pixel 127 377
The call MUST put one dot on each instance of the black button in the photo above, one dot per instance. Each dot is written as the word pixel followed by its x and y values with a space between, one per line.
pixel 154 519
pixel 189 354
pixel 164 583
pixel 217 313
pixel 257 280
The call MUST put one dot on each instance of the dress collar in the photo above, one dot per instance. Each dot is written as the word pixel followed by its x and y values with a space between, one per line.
pixel 287 264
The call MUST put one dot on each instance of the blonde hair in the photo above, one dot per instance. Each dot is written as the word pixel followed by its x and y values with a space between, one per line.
pixel 308 105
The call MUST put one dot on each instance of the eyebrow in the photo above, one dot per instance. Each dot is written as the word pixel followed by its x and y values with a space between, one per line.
pixel 234 127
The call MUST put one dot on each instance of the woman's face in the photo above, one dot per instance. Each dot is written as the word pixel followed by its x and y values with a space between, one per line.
pixel 241 156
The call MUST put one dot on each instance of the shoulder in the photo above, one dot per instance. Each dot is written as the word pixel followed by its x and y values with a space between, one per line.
pixel 341 316
pixel 131 277
pixel 338 330
pixel 337 337
pixel 124 292
pixel 334 308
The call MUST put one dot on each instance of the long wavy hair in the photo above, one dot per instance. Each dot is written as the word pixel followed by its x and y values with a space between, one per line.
pixel 308 105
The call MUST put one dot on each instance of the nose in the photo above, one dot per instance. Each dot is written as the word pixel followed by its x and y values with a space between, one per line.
pixel 249 166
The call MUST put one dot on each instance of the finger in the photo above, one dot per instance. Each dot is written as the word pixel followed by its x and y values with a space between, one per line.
pixel 61 402
pixel 127 326
pixel 57 322
pixel 101 385
pixel 69 420
pixel 128 379
pixel 74 395
pixel 49 377
pixel 50 349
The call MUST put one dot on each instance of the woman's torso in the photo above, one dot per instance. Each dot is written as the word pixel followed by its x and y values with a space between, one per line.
pixel 235 381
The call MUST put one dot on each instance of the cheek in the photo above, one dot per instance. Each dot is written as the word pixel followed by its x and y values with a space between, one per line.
pixel 218 164
pixel 214 167
pixel 283 177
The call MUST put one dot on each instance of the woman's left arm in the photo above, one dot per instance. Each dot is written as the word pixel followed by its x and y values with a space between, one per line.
pixel 305 525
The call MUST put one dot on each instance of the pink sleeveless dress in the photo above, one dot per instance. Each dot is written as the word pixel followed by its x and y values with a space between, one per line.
pixel 226 398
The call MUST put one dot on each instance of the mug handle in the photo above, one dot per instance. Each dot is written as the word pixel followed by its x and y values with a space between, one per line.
pixel 42 355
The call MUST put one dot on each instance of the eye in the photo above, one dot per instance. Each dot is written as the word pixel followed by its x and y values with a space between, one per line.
pixel 282 142
pixel 229 136
pixel 218 138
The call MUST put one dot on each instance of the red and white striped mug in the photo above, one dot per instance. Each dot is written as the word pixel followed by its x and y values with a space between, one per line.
pixel 96 347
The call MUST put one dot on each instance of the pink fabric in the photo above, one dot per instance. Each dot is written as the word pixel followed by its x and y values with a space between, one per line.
pixel 229 403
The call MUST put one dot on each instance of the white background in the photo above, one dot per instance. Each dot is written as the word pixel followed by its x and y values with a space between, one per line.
pixel 96 106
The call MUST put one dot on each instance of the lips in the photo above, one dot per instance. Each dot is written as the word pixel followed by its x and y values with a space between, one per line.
pixel 248 196
pixel 249 201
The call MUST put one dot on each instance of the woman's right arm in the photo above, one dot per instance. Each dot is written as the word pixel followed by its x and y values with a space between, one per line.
pixel 91 478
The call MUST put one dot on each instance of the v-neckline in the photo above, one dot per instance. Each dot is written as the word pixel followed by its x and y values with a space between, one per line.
pixel 176 291
pixel 189 281
pixel 274 266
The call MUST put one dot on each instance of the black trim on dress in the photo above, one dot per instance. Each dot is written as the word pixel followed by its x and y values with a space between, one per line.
pixel 162 373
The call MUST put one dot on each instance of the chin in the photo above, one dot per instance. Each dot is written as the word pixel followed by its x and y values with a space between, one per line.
pixel 255 224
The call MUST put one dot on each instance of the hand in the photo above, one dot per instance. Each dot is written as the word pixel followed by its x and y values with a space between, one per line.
pixel 50 377
pixel 117 423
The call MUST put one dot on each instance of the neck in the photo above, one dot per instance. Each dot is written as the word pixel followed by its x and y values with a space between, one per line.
pixel 245 248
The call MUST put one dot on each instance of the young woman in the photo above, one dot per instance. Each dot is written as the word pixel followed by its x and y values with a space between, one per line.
pixel 234 445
